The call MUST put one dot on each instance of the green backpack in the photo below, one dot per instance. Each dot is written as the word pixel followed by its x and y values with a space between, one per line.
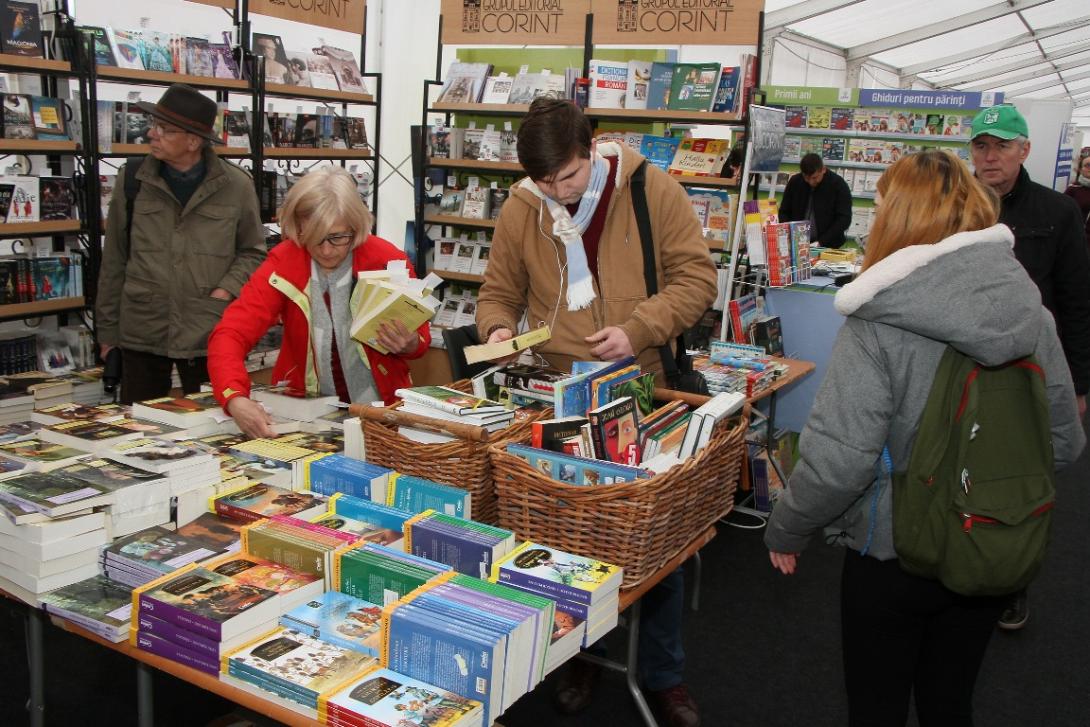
pixel 973 508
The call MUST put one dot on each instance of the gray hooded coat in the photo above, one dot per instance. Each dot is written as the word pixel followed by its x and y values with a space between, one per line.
pixel 967 291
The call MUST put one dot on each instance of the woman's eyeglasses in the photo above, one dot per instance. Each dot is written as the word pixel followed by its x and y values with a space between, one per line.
pixel 338 239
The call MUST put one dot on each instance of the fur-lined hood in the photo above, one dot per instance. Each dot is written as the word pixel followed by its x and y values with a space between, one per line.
pixel 967 290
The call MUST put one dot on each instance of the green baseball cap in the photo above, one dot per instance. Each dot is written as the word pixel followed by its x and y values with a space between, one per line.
pixel 1002 122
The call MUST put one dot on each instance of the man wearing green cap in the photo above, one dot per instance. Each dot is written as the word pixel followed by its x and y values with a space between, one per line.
pixel 1048 242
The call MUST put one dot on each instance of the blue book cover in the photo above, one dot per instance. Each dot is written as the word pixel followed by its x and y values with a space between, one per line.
pixel 574 397
pixel 659 150
pixel 422 646
pixel 370 512
pixel 460 550
pixel 728 85
pixel 553 572
pixel 388 697
pixel 337 473
pixel 416 494
pixel 339 619
pixel 658 88
pixel 576 470
pixel 408 558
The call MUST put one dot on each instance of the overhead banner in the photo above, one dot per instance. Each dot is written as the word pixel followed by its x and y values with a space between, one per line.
pixel 514 22
pixel 914 99
pixel 811 96
pixel 681 22
pixel 348 15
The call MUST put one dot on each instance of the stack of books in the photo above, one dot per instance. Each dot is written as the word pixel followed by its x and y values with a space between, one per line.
pixel 149 554
pixel 289 403
pixel 466 546
pixel 377 573
pixel 340 619
pixel 291 454
pixel 383 697
pixel 391 295
pixel 200 612
pixel 417 494
pixel 338 473
pixel 43 554
pixel 447 404
pixel 189 469
pixel 141 499
pixel 182 412
pixel 582 587
pixel 294 665
pixel 373 522
pixel 255 501
pixel 98 604
pixel 295 543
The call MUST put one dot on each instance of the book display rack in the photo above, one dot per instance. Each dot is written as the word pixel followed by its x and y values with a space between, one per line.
pixel 255 86
pixel 580 27
pixel 56 153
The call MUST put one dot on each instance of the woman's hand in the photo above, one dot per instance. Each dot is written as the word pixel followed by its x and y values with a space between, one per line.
pixel 784 562
pixel 397 339
pixel 251 417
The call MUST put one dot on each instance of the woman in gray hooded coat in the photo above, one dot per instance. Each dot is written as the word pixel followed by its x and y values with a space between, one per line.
pixel 938 271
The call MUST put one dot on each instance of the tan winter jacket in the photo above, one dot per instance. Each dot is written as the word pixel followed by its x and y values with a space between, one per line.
pixel 526 271
pixel 153 295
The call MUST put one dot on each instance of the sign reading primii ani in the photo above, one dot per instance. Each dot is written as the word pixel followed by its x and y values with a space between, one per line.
pixel 514 22
pixel 349 15
pixel 684 22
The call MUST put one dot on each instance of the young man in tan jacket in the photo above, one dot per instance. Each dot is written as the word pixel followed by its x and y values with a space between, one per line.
pixel 567 253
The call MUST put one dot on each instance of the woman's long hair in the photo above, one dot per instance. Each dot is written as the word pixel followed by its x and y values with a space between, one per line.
pixel 925 198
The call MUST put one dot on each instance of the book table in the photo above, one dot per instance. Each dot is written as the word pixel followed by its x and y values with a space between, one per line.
pixel 36 617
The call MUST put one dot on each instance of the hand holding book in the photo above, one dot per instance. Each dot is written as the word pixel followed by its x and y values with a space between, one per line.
pixel 502 348
pixel 396 338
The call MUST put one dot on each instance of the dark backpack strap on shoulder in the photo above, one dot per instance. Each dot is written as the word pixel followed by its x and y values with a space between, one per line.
pixel 131 185
pixel 637 182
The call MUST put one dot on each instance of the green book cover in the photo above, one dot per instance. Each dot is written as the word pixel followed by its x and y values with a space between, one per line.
pixel 694 86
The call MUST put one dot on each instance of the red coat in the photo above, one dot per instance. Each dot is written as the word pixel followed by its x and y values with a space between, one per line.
pixel 278 290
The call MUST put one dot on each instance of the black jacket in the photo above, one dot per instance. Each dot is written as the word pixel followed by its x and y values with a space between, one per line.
pixel 1049 242
pixel 832 206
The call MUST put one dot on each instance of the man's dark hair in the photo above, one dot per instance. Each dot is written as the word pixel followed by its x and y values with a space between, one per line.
pixel 552 133
pixel 810 163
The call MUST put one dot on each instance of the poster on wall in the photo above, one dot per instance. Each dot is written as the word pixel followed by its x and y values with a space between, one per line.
pixel 347 15
pixel 523 22
pixel 683 22
pixel 1065 155
pixel 767 131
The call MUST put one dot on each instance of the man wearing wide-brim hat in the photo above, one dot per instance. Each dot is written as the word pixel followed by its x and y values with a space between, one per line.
pixel 1048 242
pixel 173 262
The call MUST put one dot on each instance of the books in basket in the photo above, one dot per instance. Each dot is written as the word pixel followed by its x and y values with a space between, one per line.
pixel 566 575
pixel 574 470
pixel 98 604
pixel 184 411
pixel 449 400
pixel 295 665
pixel 706 417
pixel 291 403
pixel 614 427
pixel 384 697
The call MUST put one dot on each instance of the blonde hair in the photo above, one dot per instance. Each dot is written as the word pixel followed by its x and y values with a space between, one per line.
pixel 318 201
pixel 926 197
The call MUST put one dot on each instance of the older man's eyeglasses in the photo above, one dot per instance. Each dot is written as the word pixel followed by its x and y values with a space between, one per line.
pixel 159 128
pixel 338 239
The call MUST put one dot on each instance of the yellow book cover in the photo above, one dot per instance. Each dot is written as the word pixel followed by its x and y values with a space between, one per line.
pixel 412 312
pixel 820 117
pixel 700 157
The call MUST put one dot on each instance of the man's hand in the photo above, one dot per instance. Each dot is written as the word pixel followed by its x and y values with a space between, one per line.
pixel 397 339
pixel 220 294
pixel 1081 401
pixel 251 417
pixel 502 334
pixel 613 344
pixel 105 348
pixel 784 562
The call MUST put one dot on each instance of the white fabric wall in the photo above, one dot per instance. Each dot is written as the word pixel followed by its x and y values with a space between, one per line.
pixel 800 64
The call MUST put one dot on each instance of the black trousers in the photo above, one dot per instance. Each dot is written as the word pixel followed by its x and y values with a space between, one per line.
pixel 902 635
pixel 147 375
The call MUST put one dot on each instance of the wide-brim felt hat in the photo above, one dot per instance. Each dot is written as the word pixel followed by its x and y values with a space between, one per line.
pixel 187 108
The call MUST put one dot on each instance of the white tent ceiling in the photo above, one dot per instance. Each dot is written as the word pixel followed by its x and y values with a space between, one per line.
pixel 1025 48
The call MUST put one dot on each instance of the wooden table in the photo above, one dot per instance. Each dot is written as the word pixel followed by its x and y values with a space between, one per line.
pixel 629 600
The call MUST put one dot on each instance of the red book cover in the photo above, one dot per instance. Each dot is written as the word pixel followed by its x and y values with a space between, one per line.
pixel 615 427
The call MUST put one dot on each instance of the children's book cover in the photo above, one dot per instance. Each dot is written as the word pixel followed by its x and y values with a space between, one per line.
pixel 341 619
pixel 209 595
pixel 295 658
pixel 578 577
pixel 395 699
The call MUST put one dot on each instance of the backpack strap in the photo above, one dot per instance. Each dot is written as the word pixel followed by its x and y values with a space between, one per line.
pixel 671 365
pixel 132 188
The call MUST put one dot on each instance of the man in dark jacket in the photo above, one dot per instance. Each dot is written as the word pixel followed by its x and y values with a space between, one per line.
pixel 1048 242
pixel 820 195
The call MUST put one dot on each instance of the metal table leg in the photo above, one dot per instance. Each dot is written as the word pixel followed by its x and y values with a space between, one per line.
pixel 631 673
pixel 145 701
pixel 35 656
pixel 696 580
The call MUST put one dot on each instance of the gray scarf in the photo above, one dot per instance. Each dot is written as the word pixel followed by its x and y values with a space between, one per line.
pixel 361 385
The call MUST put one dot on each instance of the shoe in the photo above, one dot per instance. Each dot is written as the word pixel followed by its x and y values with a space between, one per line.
pixel 675 707
pixel 1016 613
pixel 575 690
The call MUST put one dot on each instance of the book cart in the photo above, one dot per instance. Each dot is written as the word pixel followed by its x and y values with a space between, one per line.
pixel 52 71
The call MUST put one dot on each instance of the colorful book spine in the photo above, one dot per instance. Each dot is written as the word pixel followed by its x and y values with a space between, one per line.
pixel 174 652
pixel 152 626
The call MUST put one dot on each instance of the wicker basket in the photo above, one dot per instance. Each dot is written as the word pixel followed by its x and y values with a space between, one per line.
pixel 637 525
pixel 462 463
